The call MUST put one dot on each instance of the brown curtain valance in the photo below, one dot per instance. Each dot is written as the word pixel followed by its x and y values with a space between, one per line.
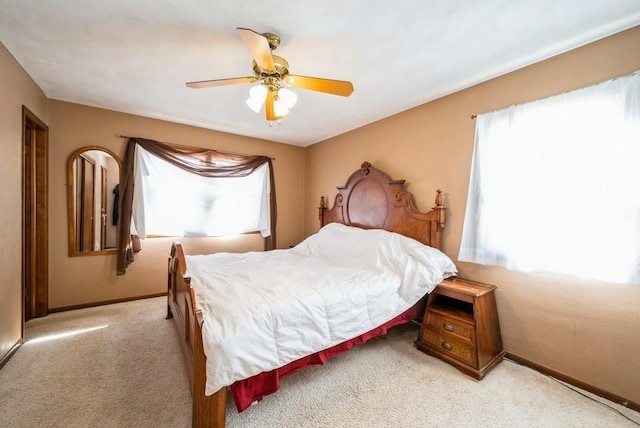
pixel 203 162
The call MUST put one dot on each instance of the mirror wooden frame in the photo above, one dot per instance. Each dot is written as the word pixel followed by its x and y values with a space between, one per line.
pixel 71 195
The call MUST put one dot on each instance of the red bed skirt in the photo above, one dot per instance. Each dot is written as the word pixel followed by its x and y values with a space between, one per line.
pixel 252 389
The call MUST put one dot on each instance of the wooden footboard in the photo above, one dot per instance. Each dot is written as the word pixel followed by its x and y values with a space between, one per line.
pixel 208 411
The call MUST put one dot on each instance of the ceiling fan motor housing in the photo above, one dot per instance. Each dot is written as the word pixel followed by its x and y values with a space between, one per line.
pixel 281 69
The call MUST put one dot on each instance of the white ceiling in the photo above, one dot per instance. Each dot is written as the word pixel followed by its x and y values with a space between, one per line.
pixel 135 56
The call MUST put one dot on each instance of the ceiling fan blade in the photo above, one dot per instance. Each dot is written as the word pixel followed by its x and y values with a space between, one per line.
pixel 259 48
pixel 335 87
pixel 221 82
pixel 269 106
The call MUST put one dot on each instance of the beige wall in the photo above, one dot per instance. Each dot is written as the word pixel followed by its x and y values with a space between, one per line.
pixel 16 89
pixel 586 330
pixel 81 280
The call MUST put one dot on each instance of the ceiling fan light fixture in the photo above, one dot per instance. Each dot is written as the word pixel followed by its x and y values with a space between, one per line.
pixel 279 109
pixel 284 100
pixel 256 98
pixel 287 97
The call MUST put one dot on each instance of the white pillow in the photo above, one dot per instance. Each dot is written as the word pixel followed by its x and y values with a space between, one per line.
pixel 417 264
pixel 344 245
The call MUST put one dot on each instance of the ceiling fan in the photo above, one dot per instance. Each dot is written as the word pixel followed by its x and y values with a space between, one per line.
pixel 272 72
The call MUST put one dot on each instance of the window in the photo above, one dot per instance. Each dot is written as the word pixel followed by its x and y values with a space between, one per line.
pixel 170 201
pixel 139 164
pixel 555 185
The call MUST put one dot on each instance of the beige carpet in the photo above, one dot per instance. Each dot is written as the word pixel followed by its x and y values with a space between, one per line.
pixel 120 366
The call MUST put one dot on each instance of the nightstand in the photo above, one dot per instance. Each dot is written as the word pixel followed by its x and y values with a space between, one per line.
pixel 460 326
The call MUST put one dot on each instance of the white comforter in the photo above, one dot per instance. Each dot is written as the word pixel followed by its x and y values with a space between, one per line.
pixel 263 310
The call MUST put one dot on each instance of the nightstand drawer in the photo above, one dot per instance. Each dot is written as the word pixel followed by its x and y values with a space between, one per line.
pixel 449 327
pixel 455 349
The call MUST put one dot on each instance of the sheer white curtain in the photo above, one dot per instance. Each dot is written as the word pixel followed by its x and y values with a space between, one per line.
pixel 555 185
pixel 169 201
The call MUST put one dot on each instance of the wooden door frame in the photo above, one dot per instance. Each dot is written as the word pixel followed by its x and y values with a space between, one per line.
pixel 35 240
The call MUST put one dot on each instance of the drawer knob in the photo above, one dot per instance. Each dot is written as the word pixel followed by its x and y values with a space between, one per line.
pixel 447 346
pixel 447 327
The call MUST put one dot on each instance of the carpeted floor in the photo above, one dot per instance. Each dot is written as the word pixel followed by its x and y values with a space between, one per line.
pixel 120 366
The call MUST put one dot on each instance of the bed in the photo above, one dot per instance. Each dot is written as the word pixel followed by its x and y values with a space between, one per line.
pixel 355 231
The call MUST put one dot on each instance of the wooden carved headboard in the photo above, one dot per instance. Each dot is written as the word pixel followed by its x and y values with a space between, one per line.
pixel 372 200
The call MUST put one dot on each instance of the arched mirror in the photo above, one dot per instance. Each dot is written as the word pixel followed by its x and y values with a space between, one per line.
pixel 93 178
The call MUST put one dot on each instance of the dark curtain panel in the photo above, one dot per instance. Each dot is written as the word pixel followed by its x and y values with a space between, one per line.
pixel 191 159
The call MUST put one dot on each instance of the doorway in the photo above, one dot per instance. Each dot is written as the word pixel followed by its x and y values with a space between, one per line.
pixel 35 278
pixel 103 207
pixel 85 206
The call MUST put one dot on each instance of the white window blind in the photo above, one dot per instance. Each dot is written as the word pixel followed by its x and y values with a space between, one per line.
pixel 169 201
pixel 555 185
